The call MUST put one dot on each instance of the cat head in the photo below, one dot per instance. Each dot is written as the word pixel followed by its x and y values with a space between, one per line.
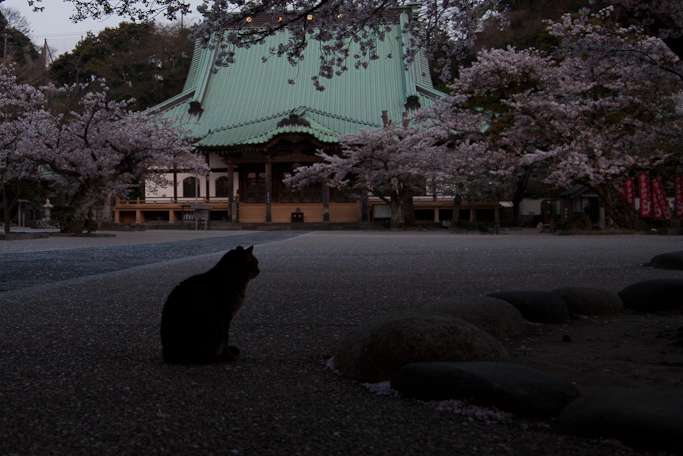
pixel 243 260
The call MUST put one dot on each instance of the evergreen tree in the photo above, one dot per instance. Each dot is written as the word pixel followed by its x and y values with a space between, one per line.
pixel 147 61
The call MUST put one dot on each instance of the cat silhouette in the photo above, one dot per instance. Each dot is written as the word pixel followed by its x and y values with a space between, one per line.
pixel 195 321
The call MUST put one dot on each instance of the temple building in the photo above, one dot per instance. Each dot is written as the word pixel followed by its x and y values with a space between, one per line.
pixel 255 127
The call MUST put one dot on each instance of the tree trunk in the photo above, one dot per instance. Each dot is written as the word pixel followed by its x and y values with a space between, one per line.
pixel 8 204
pixel 517 198
pixel 79 220
pixel 395 211
pixel 496 216
pixel 473 209
pixel 521 191
pixel 408 208
pixel 7 211
pixel 82 205
pixel 108 210
pixel 455 218
pixel 619 209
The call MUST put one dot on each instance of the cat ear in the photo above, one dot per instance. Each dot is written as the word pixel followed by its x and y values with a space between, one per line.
pixel 250 249
pixel 239 248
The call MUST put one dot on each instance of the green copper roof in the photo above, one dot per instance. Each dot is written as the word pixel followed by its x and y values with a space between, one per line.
pixel 249 102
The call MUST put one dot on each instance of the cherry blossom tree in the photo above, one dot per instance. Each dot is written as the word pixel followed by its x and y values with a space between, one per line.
pixel 613 111
pixel 484 161
pixel 604 105
pixel 103 148
pixel 660 18
pixel 388 162
pixel 17 101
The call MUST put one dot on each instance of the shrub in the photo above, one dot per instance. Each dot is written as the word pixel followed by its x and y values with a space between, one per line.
pixel 62 217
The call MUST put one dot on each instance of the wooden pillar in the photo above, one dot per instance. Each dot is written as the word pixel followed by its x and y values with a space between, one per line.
pixel 269 188
pixel 175 184
pixel 117 216
pixel 326 202
pixel 138 216
pixel 142 188
pixel 208 176
pixel 171 216
pixel 435 198
pixel 232 207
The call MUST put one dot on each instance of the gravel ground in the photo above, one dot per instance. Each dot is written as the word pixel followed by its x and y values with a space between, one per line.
pixel 82 369
pixel 68 259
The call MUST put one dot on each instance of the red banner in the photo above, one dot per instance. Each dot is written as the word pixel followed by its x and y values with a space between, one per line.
pixel 644 192
pixel 661 204
pixel 629 191
pixel 678 186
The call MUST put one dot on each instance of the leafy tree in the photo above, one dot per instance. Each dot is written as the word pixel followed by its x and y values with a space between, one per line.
pixel 17 172
pixel 148 62
pixel 104 148
pixel 14 20
pixel 17 48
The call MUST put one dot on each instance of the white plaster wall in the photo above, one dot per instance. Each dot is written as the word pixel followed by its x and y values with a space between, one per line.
pixel 167 191
pixel 531 206
pixel 216 161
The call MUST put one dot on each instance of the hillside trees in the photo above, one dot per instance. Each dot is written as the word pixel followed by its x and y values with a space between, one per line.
pixel 147 61
pixel 17 49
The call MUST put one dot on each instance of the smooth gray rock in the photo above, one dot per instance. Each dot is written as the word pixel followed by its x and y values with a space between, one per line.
pixel 647 419
pixel 495 316
pixel 536 306
pixel 375 350
pixel 671 260
pixel 590 301
pixel 654 295
pixel 509 387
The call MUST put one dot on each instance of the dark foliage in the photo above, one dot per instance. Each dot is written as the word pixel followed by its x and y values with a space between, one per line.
pixel 147 61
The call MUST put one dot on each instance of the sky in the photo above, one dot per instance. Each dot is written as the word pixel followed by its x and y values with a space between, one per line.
pixel 54 25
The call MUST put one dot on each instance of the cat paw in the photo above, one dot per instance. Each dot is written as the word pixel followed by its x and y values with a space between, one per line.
pixel 228 358
pixel 234 350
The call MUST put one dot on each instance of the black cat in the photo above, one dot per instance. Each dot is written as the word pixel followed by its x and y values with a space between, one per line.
pixel 196 318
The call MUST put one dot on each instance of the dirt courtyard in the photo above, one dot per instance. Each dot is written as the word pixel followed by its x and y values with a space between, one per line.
pixel 629 349
pixel 83 374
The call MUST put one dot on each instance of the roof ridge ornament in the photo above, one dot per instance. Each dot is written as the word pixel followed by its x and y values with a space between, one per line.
pixel 294 120
pixel 195 108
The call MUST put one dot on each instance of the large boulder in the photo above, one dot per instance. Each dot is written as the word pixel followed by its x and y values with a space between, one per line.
pixel 653 295
pixel 495 316
pixel 536 306
pixel 672 260
pixel 590 301
pixel 375 350
pixel 651 420
pixel 509 387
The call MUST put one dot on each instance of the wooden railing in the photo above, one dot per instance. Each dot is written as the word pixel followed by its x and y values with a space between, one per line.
pixel 166 200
